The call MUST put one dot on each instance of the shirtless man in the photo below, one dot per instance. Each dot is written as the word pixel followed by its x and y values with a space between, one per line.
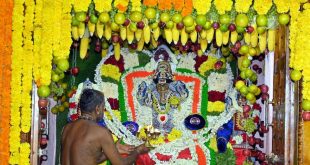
pixel 84 142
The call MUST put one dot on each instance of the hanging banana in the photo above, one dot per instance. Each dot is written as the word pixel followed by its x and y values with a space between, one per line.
pixel 84 46
pixel 262 42
pixel 91 28
pixel 117 51
pixel 254 37
pixel 247 38
pixel 156 33
pixel 108 31
pixel 75 33
pixel 193 36
pixel 210 34
pixel 233 37
pixel 130 35
pixel 123 33
pixel 184 37
pixel 99 29
pixel 203 44
pixel 175 35
pixel 147 34
pixel 219 37
pixel 141 43
pixel 271 39
pixel 104 52
pixel 138 34
pixel 168 34
pixel 154 42
pixel 81 29
pixel 226 37
pixel 203 34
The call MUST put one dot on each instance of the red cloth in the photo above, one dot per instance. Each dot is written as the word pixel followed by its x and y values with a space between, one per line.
pixel 146 160
pixel 240 158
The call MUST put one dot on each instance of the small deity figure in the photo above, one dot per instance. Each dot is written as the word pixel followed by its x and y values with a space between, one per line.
pixel 163 95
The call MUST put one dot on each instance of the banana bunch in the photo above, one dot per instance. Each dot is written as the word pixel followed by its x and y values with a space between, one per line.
pixel 262 42
pixel 117 51
pixel 99 29
pixel 233 37
pixel 108 31
pixel 130 35
pixel 271 39
pixel 147 34
pixel 254 37
pixel 184 37
pixel 219 37
pixel 75 33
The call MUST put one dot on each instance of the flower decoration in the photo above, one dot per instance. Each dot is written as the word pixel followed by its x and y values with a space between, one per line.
pixel 223 6
pixel 207 65
pixel 202 6
pixel 242 6
pixel 111 71
pixel 262 6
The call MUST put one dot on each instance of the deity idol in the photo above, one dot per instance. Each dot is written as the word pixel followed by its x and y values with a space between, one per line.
pixel 163 95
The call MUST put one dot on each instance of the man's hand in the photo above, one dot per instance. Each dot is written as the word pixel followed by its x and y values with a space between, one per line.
pixel 141 149
pixel 124 148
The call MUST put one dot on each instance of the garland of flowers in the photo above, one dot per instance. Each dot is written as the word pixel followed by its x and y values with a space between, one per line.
pixel 164 4
pixel 37 40
pixel 282 5
pixel 150 3
pixel 5 73
pixel 188 8
pixel 121 5
pixel 24 154
pixel 242 6
pixel 57 19
pixel 46 48
pixel 65 37
pixel 16 86
pixel 262 6
pixel 202 6
pixel 81 5
pixel 223 6
pixel 136 5
pixel 27 68
pixel 103 6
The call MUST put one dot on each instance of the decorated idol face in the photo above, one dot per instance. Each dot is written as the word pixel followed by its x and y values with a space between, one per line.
pixel 163 73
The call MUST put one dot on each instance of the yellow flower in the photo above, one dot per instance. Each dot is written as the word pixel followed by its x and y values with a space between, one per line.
pixel 242 6
pixel 202 6
pixel 136 5
pixel 282 5
pixel 174 134
pixel 262 6
pixel 103 6
pixel 111 71
pixel 81 5
pixel 207 65
pixel 213 144
pixel 216 106
pixel 223 5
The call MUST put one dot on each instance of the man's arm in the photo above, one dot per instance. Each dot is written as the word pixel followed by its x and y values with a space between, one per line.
pixel 110 150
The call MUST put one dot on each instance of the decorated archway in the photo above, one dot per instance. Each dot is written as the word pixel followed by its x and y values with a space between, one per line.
pixel 221 55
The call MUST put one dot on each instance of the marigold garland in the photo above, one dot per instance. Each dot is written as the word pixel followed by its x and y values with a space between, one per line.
pixel 37 40
pixel 216 106
pixel 121 5
pixel 178 4
pixel 202 6
pixel 282 5
pixel 57 20
pixel 5 74
pixel 223 6
pixel 188 8
pixel 262 6
pixel 242 6
pixel 135 5
pixel 24 154
pixel 103 6
pixel 164 4
pixel 150 3
pixel 16 86
pixel 81 5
